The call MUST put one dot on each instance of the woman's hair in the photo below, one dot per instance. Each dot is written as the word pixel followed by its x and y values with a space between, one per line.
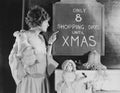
pixel 66 63
pixel 35 16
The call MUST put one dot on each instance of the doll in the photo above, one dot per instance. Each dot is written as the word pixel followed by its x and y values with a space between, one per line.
pixel 71 82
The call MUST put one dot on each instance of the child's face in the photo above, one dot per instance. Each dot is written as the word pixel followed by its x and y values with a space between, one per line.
pixel 69 67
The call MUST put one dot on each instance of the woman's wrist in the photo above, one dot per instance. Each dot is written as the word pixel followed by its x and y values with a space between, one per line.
pixel 49 54
pixel 49 44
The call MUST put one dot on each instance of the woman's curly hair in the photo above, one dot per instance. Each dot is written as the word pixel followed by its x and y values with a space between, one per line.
pixel 35 16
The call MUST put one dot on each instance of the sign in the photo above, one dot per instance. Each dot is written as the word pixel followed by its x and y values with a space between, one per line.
pixel 80 28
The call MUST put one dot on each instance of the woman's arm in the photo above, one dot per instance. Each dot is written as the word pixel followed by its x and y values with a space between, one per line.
pixel 52 64
pixel 15 64
pixel 51 40
pixel 13 52
pixel 49 49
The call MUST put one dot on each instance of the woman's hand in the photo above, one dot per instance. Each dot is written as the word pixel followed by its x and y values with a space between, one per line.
pixel 52 38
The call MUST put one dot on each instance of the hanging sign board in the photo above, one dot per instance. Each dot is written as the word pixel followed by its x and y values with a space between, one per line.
pixel 80 28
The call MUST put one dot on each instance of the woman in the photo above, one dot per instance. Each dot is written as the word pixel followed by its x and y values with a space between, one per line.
pixel 30 59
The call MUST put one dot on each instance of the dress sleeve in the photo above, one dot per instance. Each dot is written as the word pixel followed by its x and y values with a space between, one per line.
pixel 52 64
pixel 15 66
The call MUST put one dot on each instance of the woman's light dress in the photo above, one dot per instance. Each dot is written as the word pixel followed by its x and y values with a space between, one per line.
pixel 30 71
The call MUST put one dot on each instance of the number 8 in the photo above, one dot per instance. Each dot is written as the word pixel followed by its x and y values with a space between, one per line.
pixel 78 18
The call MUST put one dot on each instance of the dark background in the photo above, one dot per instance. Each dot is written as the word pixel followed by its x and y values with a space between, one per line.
pixel 10 21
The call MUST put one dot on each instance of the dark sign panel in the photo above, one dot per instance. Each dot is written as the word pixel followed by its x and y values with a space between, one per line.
pixel 80 28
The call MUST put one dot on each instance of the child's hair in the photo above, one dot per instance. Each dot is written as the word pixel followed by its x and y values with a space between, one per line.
pixel 35 16
pixel 65 64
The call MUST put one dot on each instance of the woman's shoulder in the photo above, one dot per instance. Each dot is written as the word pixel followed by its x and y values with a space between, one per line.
pixel 24 34
pixel 28 33
pixel 19 33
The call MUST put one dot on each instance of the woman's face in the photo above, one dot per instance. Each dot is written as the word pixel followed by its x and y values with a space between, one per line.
pixel 45 25
pixel 69 67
